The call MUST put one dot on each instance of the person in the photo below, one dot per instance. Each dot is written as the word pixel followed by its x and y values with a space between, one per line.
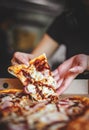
pixel 6 20
pixel 70 28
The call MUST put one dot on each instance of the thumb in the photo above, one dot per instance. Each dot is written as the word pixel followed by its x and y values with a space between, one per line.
pixel 76 69
pixel 30 56
pixel 27 58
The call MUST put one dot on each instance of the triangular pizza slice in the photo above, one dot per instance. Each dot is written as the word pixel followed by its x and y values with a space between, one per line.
pixel 36 78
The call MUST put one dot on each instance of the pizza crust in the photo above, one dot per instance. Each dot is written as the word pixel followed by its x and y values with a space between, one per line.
pixel 10 91
pixel 80 123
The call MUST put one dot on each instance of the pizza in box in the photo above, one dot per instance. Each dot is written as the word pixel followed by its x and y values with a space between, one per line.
pixel 37 106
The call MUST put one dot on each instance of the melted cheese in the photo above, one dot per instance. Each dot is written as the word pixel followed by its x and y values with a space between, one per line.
pixel 31 88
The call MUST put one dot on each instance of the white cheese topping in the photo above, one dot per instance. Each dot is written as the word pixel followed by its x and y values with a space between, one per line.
pixel 47 91
pixel 35 74
pixel 31 88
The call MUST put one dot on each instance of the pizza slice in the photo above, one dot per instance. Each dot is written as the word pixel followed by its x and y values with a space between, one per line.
pixel 36 78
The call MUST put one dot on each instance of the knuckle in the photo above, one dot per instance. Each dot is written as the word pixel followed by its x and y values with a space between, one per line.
pixel 16 54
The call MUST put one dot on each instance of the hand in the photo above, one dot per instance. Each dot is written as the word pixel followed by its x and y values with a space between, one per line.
pixel 67 71
pixel 21 58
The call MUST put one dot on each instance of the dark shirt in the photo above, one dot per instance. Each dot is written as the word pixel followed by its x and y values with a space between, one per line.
pixel 72 29
pixel 4 55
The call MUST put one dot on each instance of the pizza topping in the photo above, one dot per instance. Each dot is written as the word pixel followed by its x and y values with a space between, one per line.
pixel 56 125
pixel 36 78
pixel 6 104
pixel 45 116
pixel 6 98
pixel 27 114
pixel 63 102
pixel 41 64
pixel 38 106
pixel 30 88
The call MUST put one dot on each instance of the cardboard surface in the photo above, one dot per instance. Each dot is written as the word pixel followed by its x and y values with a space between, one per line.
pixel 7 83
pixel 79 87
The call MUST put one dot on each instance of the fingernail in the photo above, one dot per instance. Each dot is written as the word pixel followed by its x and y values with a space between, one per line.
pixel 75 69
pixel 56 78
pixel 55 72
pixel 60 82
pixel 27 63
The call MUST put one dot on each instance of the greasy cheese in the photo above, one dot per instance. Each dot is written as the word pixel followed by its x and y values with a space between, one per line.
pixel 36 78
pixel 42 76
pixel 45 116
pixel 31 88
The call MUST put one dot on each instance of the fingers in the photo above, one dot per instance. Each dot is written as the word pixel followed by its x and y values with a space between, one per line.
pixel 21 58
pixel 55 72
pixel 17 58
pixel 13 61
pixel 67 71
pixel 76 69
pixel 63 80
pixel 59 83
pixel 57 77
pixel 66 81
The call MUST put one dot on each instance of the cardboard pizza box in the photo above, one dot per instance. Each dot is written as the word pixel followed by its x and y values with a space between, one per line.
pixel 7 83
pixel 78 86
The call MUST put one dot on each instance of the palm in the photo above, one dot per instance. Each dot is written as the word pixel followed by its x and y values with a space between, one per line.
pixel 67 71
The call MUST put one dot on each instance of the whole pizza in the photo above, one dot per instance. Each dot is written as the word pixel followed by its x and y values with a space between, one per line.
pixel 37 106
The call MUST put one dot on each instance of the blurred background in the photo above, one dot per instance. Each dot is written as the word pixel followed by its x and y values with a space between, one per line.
pixel 22 25
pixel 29 20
